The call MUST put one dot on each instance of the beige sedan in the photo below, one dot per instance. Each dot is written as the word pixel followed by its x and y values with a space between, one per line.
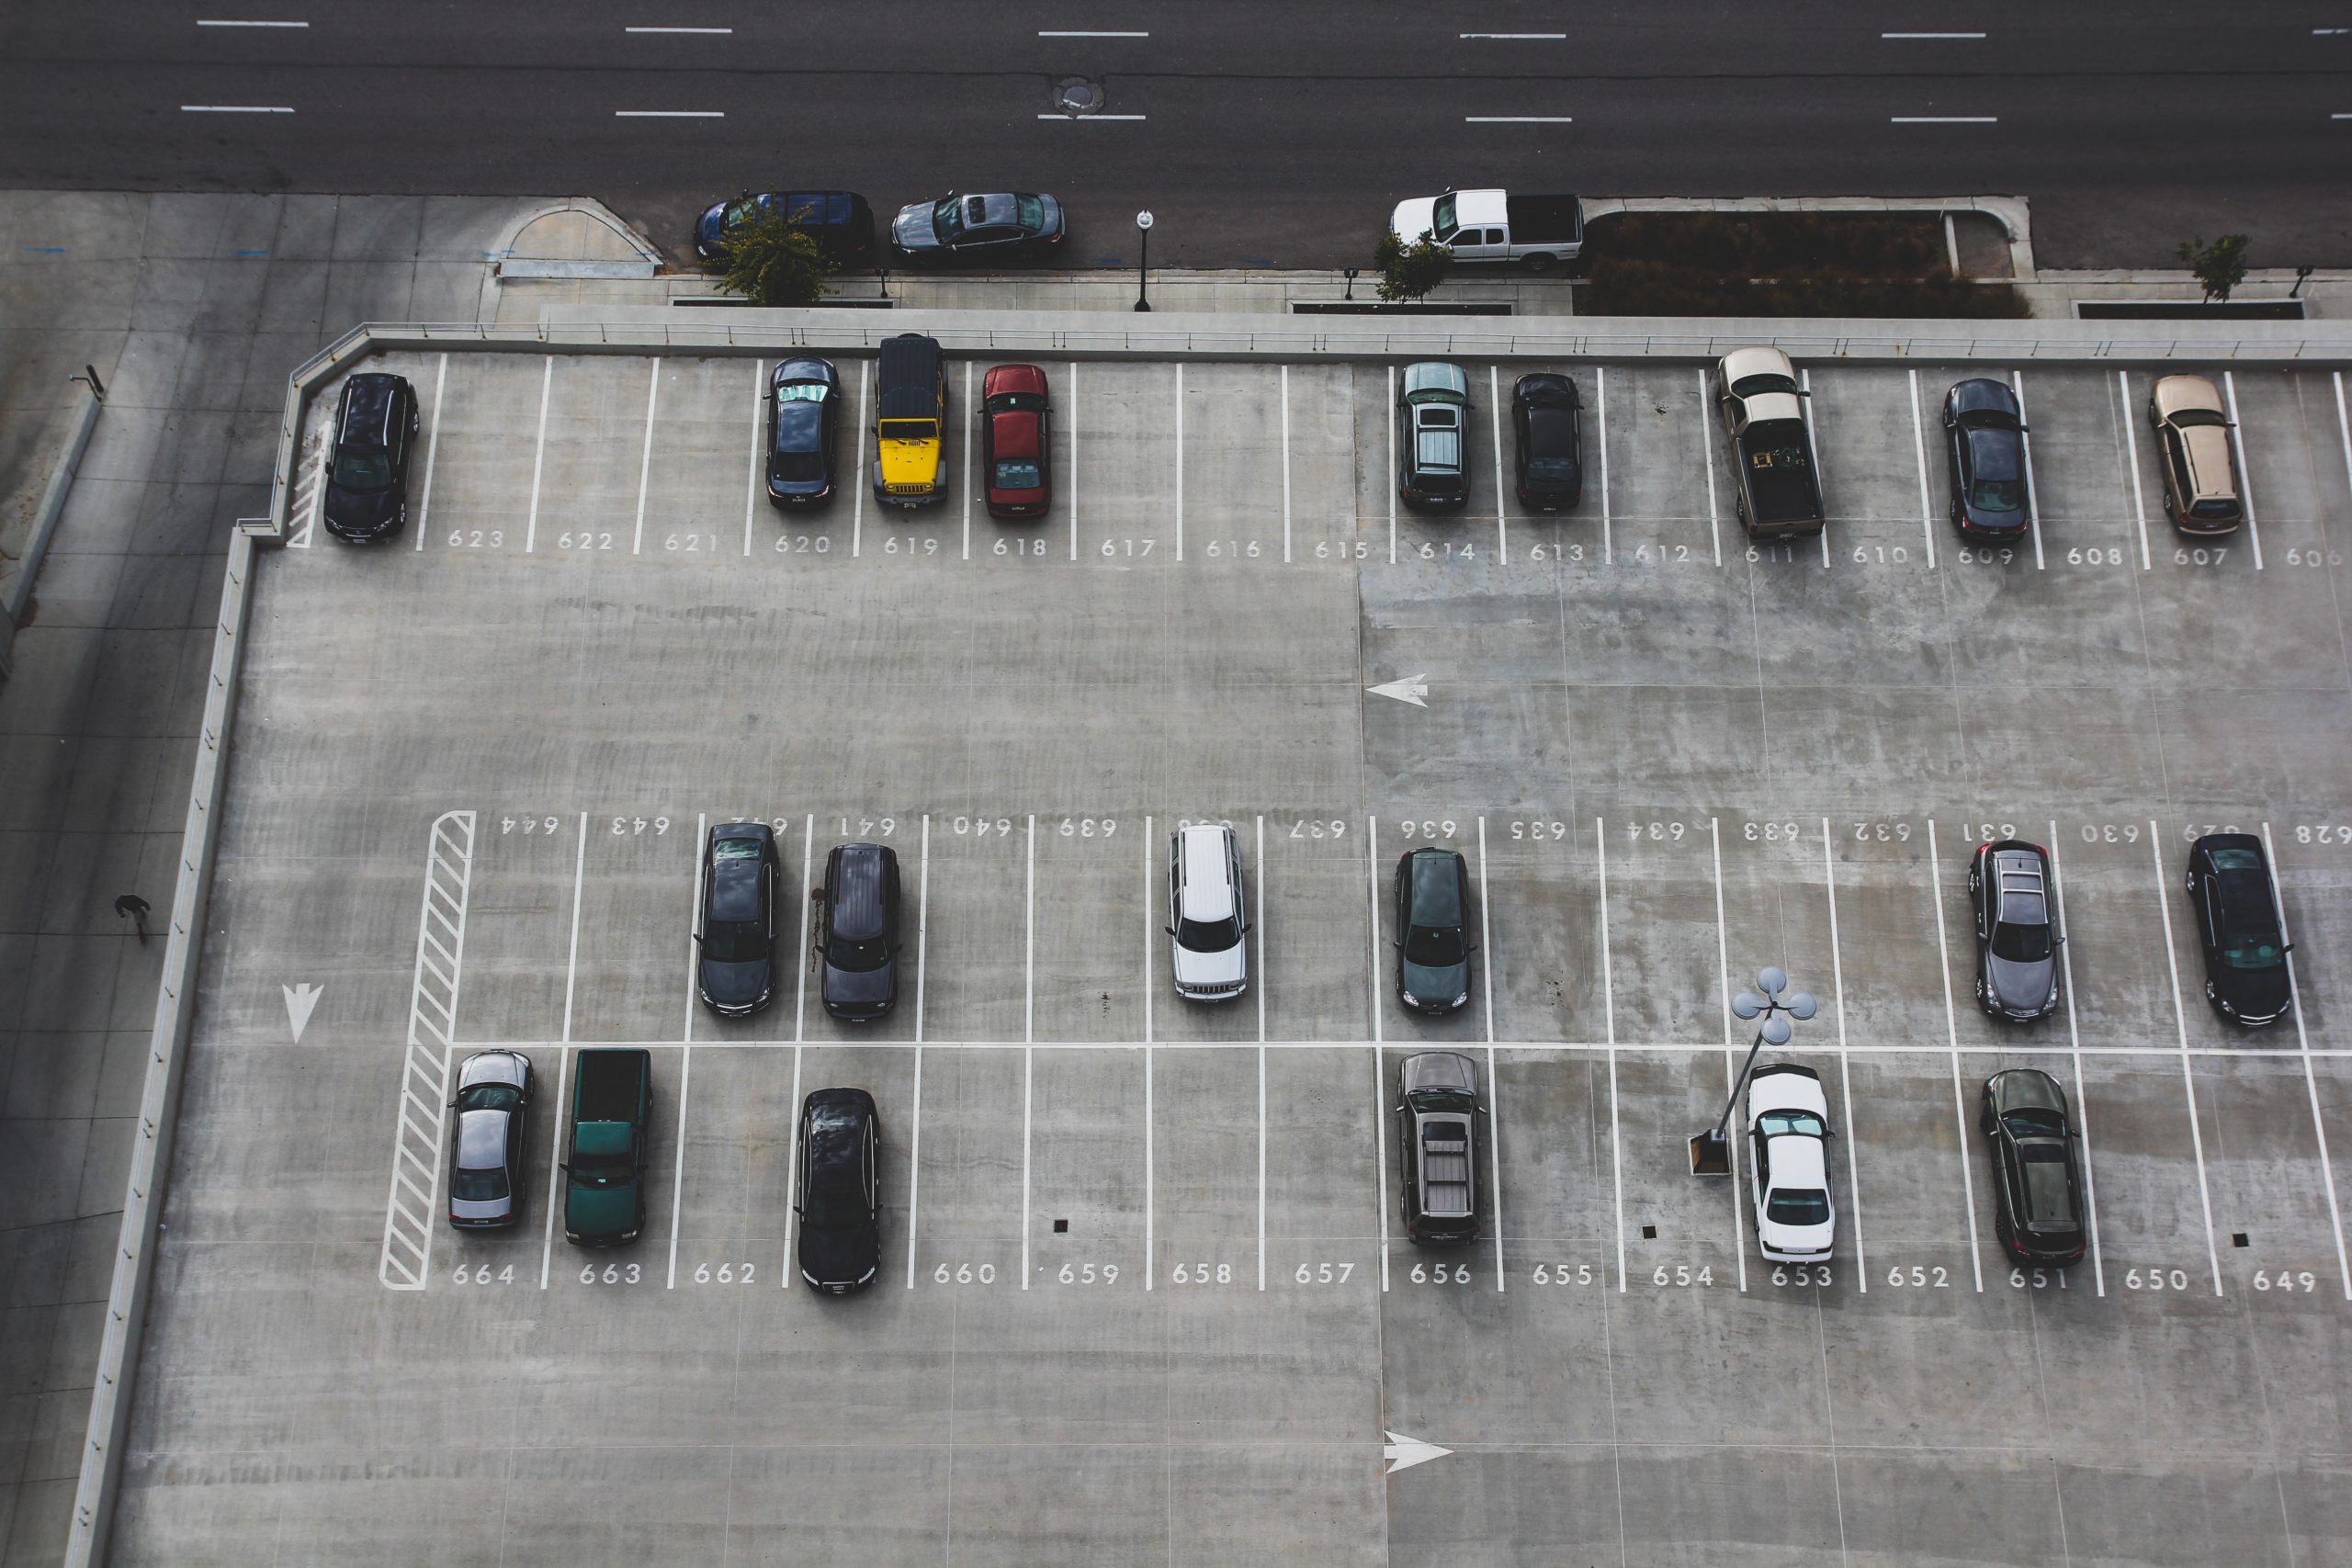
pixel 2193 450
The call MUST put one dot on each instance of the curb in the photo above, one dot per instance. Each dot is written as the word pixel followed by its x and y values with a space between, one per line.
pixel 2011 212
pixel 42 524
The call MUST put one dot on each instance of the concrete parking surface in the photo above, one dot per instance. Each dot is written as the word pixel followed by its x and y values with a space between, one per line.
pixel 1145 1294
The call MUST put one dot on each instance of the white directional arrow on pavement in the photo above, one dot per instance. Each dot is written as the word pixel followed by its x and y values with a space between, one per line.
pixel 1412 689
pixel 1404 1453
pixel 299 1002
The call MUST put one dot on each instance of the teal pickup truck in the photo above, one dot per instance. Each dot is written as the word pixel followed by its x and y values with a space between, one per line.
pixel 603 1189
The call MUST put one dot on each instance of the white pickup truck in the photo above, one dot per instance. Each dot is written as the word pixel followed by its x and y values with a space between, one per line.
pixel 1495 226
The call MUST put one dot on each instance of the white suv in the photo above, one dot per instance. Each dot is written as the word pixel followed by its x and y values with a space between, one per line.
pixel 1211 954
pixel 1788 1141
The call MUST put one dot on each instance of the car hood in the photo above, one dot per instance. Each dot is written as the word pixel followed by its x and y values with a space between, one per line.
pixel 2255 993
pixel 363 510
pixel 859 988
pixel 1224 968
pixel 2020 987
pixel 912 229
pixel 735 985
pixel 1412 218
pixel 1441 984
pixel 840 1256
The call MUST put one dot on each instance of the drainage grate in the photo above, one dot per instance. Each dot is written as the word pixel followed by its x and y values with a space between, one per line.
pixel 1650 1232
pixel 2239 1238
pixel 1060 1226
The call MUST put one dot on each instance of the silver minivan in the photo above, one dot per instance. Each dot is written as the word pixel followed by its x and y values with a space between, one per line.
pixel 1206 913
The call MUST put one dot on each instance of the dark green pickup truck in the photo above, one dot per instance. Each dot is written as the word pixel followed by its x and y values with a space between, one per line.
pixel 603 1190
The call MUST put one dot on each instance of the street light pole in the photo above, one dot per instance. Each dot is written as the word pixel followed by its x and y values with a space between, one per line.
pixel 1711 1150
pixel 1143 257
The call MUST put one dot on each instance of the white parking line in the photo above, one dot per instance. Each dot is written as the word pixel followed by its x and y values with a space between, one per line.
pixel 1919 451
pixel 1845 1067
pixel 1261 1047
pixel 2304 1043
pixel 1495 429
pixel 1707 462
pixel 2032 495
pixel 857 485
pixel 1285 465
pixel 555 1165
pixel 923 974
pixel 1731 1069
pixel 759 442
pixel 2343 432
pixel 968 444
pixel 2132 456
pixel 1179 460
pixel 572 960
pixel 539 454
pixel 800 954
pixel 2188 1079
pixel 1379 1087
pixel 1388 482
pixel 1952 1032
pixel 1812 449
pixel 1494 1079
pixel 2245 475
pixel 1601 403
pixel 2074 1044
pixel 645 463
pixel 1150 938
pixel 791 1177
pixel 1028 1039
pixel 1071 421
pixel 1609 1013
pixel 686 1031
pixel 433 443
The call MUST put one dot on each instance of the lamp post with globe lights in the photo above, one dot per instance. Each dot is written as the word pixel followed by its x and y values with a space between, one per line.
pixel 1711 1150
pixel 1143 257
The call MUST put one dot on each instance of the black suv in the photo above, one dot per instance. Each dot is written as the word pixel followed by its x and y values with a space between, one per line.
pixel 858 931
pixel 2237 923
pixel 1438 1139
pixel 1547 425
pixel 841 1190
pixel 367 477
pixel 735 966
pixel 1432 929
pixel 2037 1180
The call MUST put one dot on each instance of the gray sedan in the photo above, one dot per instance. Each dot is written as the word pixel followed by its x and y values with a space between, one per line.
pixel 2016 930
pixel 486 1161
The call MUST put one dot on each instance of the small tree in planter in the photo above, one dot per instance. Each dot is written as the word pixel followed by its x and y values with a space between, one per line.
pixel 771 262
pixel 1410 272
pixel 2219 266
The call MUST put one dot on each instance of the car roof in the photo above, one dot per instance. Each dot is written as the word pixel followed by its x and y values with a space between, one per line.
pixel 1012 378
pixel 1206 892
pixel 1435 892
pixel 858 886
pixel 909 374
pixel 1981 394
pixel 1012 433
pixel 2209 460
pixel 1436 376
pixel 735 883
pixel 1799 1160
pixel 482 1140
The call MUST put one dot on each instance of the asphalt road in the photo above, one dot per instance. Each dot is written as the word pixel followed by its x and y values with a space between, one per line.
pixel 1269 135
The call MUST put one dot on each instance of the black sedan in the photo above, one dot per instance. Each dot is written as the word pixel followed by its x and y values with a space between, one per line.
pixel 735 967
pixel 2017 930
pixel 2037 1174
pixel 1009 226
pixel 841 1190
pixel 1432 929
pixel 366 478
pixel 804 431
pixel 858 931
pixel 1985 451
pixel 486 1165
pixel 1547 423
pixel 2237 910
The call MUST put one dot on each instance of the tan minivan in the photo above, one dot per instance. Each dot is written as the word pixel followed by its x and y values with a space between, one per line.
pixel 2193 450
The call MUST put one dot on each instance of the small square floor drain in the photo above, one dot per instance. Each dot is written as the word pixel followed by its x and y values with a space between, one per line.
pixel 1060 1226
pixel 2238 1238
pixel 1650 1232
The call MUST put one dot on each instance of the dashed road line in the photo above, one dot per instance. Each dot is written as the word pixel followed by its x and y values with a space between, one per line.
pixel 414 1201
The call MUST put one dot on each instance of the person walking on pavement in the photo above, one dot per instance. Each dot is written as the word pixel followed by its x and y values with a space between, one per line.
pixel 135 907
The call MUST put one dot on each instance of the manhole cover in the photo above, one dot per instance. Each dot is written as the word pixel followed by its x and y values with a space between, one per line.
pixel 1078 95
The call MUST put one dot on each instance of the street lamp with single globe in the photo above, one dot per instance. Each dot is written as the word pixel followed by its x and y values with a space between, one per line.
pixel 1710 1150
pixel 1143 228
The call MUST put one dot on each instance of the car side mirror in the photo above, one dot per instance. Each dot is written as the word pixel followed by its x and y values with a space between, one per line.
pixel 564 1166
pixel 697 936
pixel 1248 926
pixel 1169 929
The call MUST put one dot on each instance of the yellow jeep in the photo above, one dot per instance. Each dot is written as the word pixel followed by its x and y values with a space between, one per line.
pixel 909 418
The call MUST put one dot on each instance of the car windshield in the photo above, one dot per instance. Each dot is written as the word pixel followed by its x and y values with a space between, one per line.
pixel 1018 473
pixel 1803 1123
pixel 1443 1099
pixel 2253 949
pixel 734 941
pixel 858 957
pixel 1997 495
pixel 362 471
pixel 477 1186
pixel 2021 944
pixel 1798 1206
pixel 947 217
pixel 1433 947
pixel 1208 936
pixel 740 212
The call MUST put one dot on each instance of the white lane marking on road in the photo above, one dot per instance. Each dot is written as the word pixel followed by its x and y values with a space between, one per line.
pixel 1071 421
pixel 1845 1070
pixel 409 1221
pixel 2074 1046
pixel 1495 428
pixel 1494 1079
pixel 645 463
pixel 433 445
pixel 714 32
pixel 2131 455
pixel 1943 119
pixel 1920 452
pixel 1609 1013
pixel 1389 419
pixel 1707 461
pixel 539 454
pixel 1516 119
pixel 1080 117
pixel 1087 33
pixel 668 113
pixel 857 455
pixel 1952 1034
pixel 235 109
pixel 1379 1096
pixel 923 974
pixel 2310 1085
pixel 212 23
pixel 1179 460
pixel 801 965
pixel 685 1030
pixel 968 444
pixel 791 1178
pixel 1262 1052
pixel 1150 933
pixel 1600 408
pixel 2180 1024
pixel 1028 1037
pixel 1813 449
pixel 1731 1070
pixel 2340 116
pixel 758 446
pixel 1527 38
pixel 2032 496
pixel 1925 36
pixel 2245 476
pixel 1285 465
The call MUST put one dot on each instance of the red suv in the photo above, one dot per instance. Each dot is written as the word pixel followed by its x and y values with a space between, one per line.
pixel 1016 423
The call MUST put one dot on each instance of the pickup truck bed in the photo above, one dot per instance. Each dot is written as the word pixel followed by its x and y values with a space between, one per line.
pixel 1544 219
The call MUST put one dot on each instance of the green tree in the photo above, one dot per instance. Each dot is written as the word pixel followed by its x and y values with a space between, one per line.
pixel 1410 272
pixel 2219 266
pixel 771 262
